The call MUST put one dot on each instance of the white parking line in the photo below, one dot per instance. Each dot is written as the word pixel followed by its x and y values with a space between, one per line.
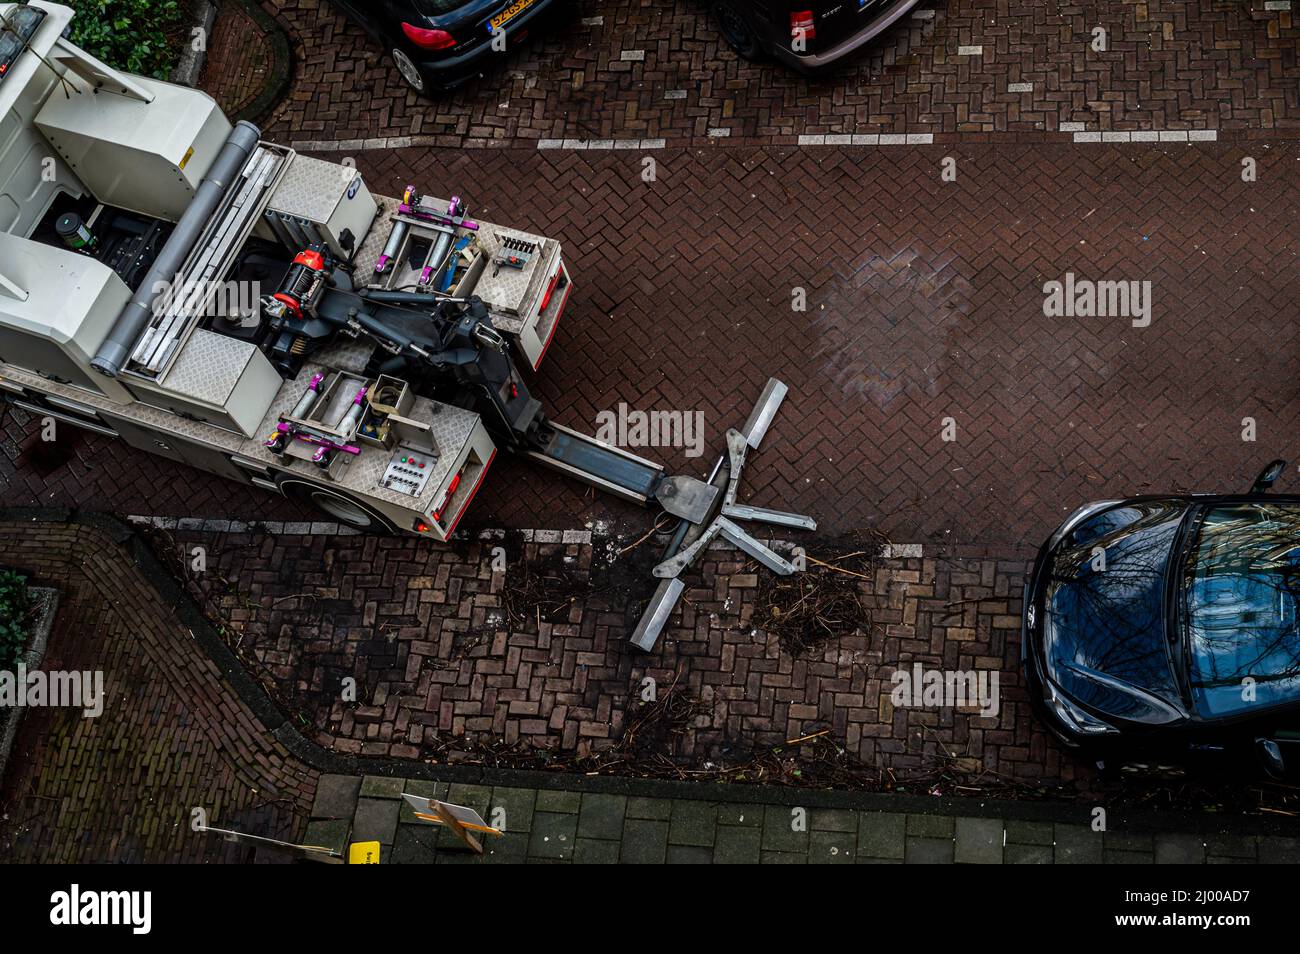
pixel 1146 135
pixel 601 144
pixel 1080 135
pixel 868 139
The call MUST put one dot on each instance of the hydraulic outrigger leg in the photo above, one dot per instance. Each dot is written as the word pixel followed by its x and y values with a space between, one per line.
pixel 693 536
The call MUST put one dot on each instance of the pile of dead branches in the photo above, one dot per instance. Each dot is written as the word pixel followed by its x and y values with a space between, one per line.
pixel 654 727
pixel 541 591
pixel 807 610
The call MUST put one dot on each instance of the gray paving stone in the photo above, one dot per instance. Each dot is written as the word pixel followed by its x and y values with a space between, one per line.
pixel 557 801
pixel 1128 841
pixel 833 819
pixel 1077 844
pixel 1173 849
pixel 645 842
pixel 329 833
pixel 930 826
pixel 881 835
pixel 508 849
pixel 657 809
pixel 1028 833
pixel 376 820
pixel 750 816
pixel 779 833
pixel 689 855
pixel 411 846
pixel 783 858
pixel 336 796
pixel 1232 846
pixel 928 851
pixel 595 851
pixel 1027 855
pixel 553 836
pixel 978 841
pixel 832 847
pixel 1115 856
pixel 375 786
pixel 602 816
pixel 1278 851
pixel 693 823
pixel 737 845
pixel 517 806
pixel 457 856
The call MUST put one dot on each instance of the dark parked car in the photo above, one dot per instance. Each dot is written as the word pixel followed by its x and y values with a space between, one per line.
pixel 810 35
pixel 439 44
pixel 1170 626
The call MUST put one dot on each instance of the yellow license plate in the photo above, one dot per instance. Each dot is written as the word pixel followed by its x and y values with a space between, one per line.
pixel 508 14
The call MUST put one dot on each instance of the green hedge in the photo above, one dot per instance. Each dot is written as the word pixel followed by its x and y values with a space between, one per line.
pixel 15 608
pixel 138 36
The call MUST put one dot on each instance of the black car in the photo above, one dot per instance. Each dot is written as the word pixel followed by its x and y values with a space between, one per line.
pixel 810 35
pixel 1170 626
pixel 439 44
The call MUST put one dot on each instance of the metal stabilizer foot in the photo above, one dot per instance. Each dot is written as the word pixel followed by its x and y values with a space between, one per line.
pixel 760 552
pixel 656 614
pixel 779 518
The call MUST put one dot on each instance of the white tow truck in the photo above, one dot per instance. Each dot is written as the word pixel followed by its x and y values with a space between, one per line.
pixel 220 300
pixel 206 295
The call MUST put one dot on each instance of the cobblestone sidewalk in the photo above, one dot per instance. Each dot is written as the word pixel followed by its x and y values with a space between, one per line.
pixel 172 737
pixel 184 727
pixel 447 653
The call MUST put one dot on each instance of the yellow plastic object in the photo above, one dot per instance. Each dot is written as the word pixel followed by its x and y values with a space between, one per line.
pixel 363 853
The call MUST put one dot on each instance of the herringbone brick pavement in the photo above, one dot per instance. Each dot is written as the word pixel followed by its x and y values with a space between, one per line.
pixel 451 658
pixel 172 738
pixel 924 311
pixel 1167 65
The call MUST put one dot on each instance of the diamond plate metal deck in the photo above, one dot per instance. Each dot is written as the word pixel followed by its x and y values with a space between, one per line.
pixel 209 367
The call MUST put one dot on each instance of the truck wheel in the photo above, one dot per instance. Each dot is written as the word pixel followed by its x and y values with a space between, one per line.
pixel 336 505
pixel 737 30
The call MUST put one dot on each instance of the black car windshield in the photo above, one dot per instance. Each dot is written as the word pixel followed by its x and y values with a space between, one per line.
pixel 1240 608
pixel 1106 604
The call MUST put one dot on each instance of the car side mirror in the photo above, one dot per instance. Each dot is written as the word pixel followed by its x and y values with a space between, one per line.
pixel 1268 476
pixel 1270 754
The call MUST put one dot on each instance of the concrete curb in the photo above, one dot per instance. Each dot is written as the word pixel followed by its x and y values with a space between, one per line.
pixel 46 599
pixel 323 760
pixel 203 14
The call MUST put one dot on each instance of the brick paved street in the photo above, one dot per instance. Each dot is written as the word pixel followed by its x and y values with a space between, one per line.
pixel 938 421
pixel 924 303
pixel 1168 65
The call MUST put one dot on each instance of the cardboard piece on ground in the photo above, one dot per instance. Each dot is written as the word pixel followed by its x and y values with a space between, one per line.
pixel 460 819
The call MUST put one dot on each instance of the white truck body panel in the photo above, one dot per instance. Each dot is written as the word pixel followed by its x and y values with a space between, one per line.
pixel 145 157
pixel 144 147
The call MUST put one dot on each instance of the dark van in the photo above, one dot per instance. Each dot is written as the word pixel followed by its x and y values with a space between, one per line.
pixel 808 34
